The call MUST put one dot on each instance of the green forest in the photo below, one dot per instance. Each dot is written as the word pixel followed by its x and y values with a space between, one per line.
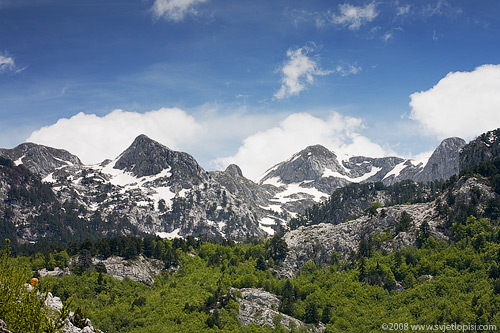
pixel 442 283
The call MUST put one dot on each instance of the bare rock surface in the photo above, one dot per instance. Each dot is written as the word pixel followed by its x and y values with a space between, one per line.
pixel 260 307
pixel 316 243
pixel 142 269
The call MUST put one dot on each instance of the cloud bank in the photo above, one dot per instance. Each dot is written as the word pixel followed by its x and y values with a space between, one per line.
pixel 298 72
pixel 174 10
pixel 259 142
pixel 94 138
pixel 264 149
pixel 463 104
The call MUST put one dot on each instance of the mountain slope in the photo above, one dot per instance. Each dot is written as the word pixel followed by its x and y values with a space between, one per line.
pixel 475 193
pixel 153 189
pixel 486 147
pixel 314 173
pixel 156 190
pixel 40 159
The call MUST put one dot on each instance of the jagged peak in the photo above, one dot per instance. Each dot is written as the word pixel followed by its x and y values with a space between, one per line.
pixel 142 141
pixel 315 150
pixel 147 157
pixel 234 171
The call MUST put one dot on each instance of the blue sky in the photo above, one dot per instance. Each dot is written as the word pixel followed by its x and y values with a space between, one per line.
pixel 229 80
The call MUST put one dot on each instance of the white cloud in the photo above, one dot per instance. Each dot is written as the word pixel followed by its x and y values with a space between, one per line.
pixel 441 8
pixel 348 69
pixel 263 149
pixel 258 140
pixel 94 138
pixel 6 63
pixel 175 10
pixel 297 72
pixel 403 10
pixel 354 17
pixel 463 104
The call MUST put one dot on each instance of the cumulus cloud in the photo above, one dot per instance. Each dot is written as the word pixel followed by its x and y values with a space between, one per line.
pixel 175 10
pixel 354 17
pixel 259 141
pixel 94 138
pixel 6 63
pixel 263 149
pixel 298 72
pixel 463 104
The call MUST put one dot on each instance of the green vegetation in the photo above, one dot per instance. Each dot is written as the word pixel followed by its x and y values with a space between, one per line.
pixel 22 305
pixel 434 284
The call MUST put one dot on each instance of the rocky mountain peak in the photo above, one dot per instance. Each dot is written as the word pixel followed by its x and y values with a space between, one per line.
pixel 40 159
pixel 234 171
pixel 308 164
pixel 444 161
pixel 146 157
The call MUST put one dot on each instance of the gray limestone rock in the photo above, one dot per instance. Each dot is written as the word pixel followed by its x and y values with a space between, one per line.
pixel 444 161
pixel 142 269
pixel 260 307
pixel 40 159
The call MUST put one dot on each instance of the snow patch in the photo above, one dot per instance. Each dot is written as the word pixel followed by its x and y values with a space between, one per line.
pixel 49 178
pixel 268 230
pixel 275 208
pixel 331 173
pixel 221 225
pixel 396 171
pixel 295 189
pixel 19 161
pixel 169 235
pixel 267 221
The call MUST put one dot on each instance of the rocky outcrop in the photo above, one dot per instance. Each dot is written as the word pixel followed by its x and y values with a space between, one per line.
pixel 142 269
pixel 57 272
pixel 3 327
pixel 55 304
pixel 260 307
pixel 316 243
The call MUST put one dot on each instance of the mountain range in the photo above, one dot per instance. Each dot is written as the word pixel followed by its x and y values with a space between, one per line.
pixel 150 188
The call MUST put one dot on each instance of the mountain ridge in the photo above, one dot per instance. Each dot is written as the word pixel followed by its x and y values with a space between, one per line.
pixel 164 192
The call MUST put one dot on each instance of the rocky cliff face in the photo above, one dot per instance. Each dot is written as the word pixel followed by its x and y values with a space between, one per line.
pixel 142 269
pixel 486 147
pixel 444 161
